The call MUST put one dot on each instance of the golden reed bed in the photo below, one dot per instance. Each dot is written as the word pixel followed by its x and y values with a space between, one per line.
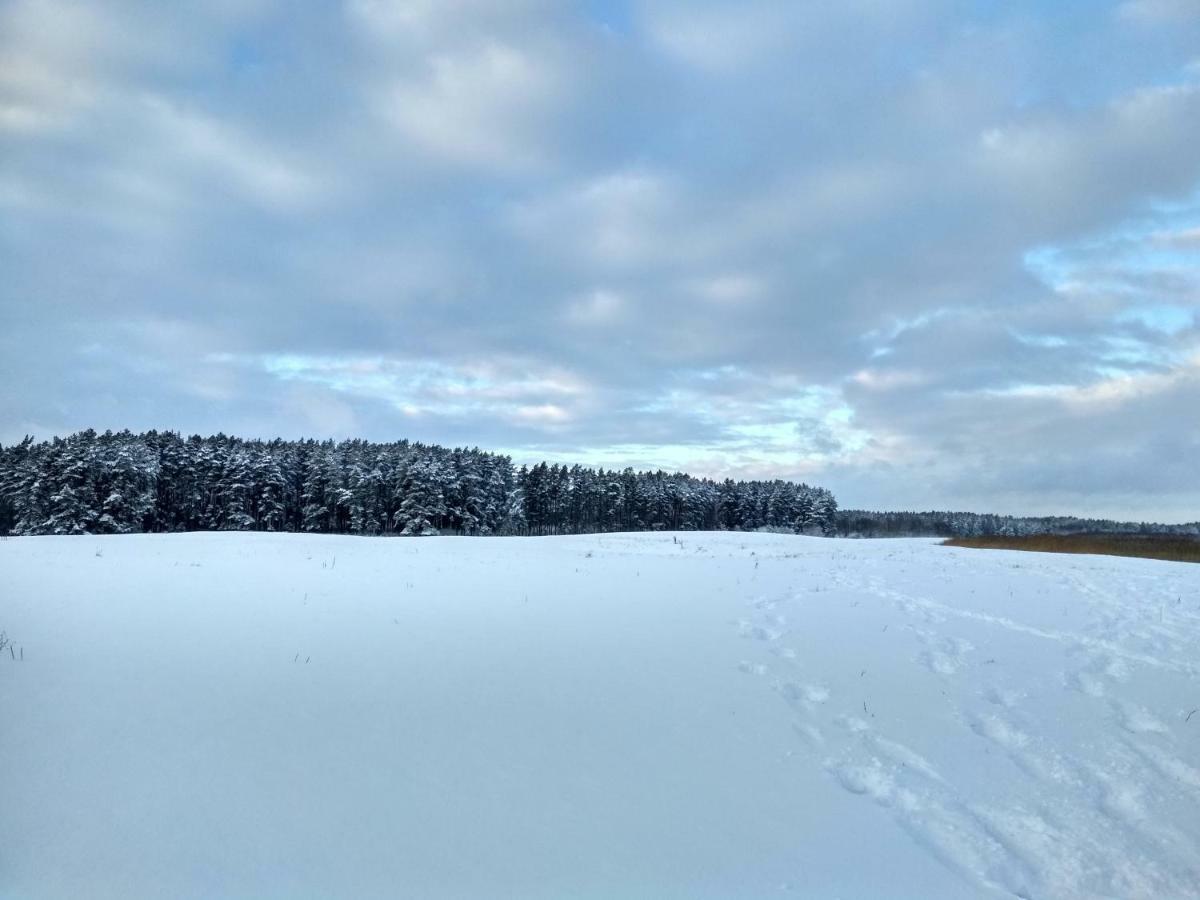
pixel 1178 548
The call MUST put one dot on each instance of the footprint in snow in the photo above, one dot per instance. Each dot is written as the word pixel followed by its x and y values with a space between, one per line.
pixel 805 695
pixel 1095 676
pixel 1042 765
pixel 761 633
pixel 1085 682
pixel 944 656
pixel 999 731
pixel 1170 767
pixel 999 697
pixel 937 662
pixel 1138 720
pixel 929 810
pixel 809 733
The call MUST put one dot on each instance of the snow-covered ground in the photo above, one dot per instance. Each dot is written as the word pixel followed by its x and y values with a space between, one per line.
pixel 657 716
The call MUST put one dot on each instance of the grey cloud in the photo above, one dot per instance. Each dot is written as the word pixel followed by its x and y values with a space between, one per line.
pixel 751 249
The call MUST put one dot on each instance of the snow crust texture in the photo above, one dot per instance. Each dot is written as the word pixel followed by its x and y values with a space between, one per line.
pixel 649 715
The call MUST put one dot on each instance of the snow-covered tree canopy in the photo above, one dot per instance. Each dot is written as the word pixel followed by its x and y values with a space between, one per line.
pixel 114 483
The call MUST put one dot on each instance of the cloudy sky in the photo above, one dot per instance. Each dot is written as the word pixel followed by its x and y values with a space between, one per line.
pixel 926 253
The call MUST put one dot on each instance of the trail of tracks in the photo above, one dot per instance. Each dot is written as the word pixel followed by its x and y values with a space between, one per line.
pixel 1028 733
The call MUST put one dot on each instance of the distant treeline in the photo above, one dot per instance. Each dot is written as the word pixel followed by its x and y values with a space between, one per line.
pixel 863 523
pixel 117 483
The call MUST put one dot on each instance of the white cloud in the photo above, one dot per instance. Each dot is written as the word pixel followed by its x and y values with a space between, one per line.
pixel 488 106
pixel 467 83
pixel 731 289
pixel 888 380
pixel 1158 12
pixel 599 308
pixel 1186 238
pixel 1111 391
pixel 392 20
pixel 55 56
pixel 619 220
pixel 252 168
pixel 1078 171
pixel 461 390
pixel 542 414
pixel 715 38
pixel 63 59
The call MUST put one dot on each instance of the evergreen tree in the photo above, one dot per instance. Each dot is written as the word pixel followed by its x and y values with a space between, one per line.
pixel 92 483
pixel 423 505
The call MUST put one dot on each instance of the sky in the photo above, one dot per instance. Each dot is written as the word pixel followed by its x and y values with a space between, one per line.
pixel 927 254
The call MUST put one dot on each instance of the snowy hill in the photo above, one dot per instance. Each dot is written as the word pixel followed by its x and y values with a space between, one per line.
pixel 654 715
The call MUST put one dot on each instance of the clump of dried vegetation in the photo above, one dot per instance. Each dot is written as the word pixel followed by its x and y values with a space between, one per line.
pixel 1179 548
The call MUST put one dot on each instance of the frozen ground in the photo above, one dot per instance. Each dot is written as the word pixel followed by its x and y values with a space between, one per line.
pixel 742 716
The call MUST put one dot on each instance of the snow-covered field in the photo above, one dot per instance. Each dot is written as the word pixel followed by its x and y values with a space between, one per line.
pixel 620 716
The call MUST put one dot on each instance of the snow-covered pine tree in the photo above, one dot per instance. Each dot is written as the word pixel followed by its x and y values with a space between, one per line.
pixel 270 491
pixel 824 511
pixel 318 486
pixel 803 510
pixel 423 505
pixel 158 481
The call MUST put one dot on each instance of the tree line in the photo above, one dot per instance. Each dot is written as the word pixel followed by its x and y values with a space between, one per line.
pixel 121 482
pixel 864 523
